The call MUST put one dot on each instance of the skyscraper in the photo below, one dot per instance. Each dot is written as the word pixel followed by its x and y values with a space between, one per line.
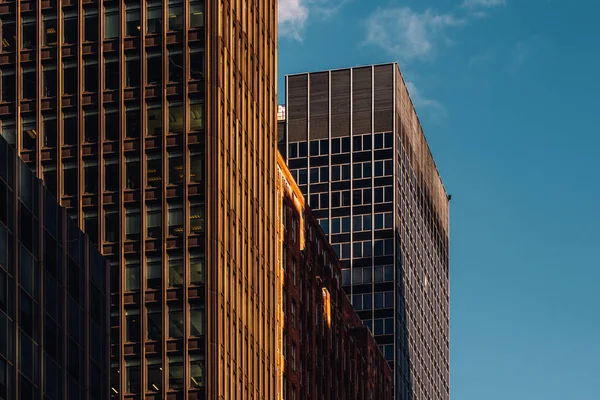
pixel 154 123
pixel 353 142
pixel 54 304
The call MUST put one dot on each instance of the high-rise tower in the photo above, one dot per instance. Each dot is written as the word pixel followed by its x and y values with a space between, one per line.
pixel 354 144
pixel 153 121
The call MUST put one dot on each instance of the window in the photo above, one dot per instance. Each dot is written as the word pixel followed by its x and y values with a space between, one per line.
pixel 49 128
pixel 196 319
pixel 70 179
pixel 132 123
pixel 196 63
pixel 29 83
pixel 153 272
pixel 154 375
pixel 111 228
pixel 90 69
pixel 361 223
pixel 175 168
pixel 111 73
pixel 154 170
pixel 8 32
pixel 49 33
pixel 153 16
pixel 111 169
pixel 175 270
pixel 90 33
pixel 132 377
pixel 196 165
pixel 154 221
pixel 175 15
pixel 132 71
pixel 319 174
pixel 175 118
pixel 132 325
pixel 319 147
pixel 196 116
pixel 383 247
pixel 196 217
pixel 28 33
pixel 362 170
pixel 384 194
pixel 319 200
pixel 111 23
pixel 362 249
pixel 70 129
pixel 154 120
pixel 361 196
pixel 384 220
pixel 154 68
pixel 132 225
pixel 196 14
pixel 175 65
pixel 346 277
pixel 70 84
pixel 111 125
pixel 175 373
pixel 196 268
pixel 70 28
pixel 90 176
pixel 132 19
pixel 154 323
pixel 340 172
pixel 340 198
pixel 8 84
pixel 384 299
pixel 90 126
pixel 132 172
pixel 176 327
pixel 196 371
pixel 384 168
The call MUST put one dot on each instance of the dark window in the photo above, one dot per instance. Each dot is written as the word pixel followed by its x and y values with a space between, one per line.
pixel 132 379
pixel 175 66
pixel 8 84
pixel 196 14
pixel 132 123
pixel 70 131
pixel 196 63
pixel 91 77
pixel 154 221
pixel 111 23
pixel 153 272
pixel 29 84
pixel 132 327
pixel 70 84
pixel 70 29
pixel 111 75
pixel 132 72
pixel 8 32
pixel 111 125
pixel 111 170
pixel 176 16
pixel 70 179
pixel 28 33
pixel 111 228
pixel 346 145
pixel 91 179
pixel 154 69
pixel 176 327
pixel 91 26
pixel 303 149
pixel 154 376
pixel 90 126
pixel 132 20
pixel 154 324
pixel 132 172
pixel 49 77
pixel 153 16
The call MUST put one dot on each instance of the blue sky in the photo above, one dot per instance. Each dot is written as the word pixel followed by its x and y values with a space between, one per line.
pixel 507 92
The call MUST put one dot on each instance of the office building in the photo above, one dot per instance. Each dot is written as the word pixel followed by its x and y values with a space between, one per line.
pixel 54 304
pixel 353 142
pixel 328 353
pixel 154 123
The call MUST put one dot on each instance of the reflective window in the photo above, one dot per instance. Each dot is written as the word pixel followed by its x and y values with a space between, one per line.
pixel 132 20
pixel 153 16
pixel 90 24
pixel 28 33
pixel 196 13
pixel 176 326
pixel 111 23
pixel 176 17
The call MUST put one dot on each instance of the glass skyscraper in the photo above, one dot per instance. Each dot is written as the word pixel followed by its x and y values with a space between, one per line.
pixel 354 144
pixel 54 303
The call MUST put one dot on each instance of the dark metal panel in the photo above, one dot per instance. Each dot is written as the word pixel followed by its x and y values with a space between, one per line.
pixel 340 103
pixel 361 100
pixel 319 105
pixel 297 108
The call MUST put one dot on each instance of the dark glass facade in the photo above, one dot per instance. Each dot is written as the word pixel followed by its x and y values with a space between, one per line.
pixel 54 303
pixel 153 122
pixel 354 145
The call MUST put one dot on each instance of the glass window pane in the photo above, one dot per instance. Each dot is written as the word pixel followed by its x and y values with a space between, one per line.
pixel 111 23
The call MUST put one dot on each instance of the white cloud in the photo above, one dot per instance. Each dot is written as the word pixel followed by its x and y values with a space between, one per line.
pixel 433 108
pixel 407 34
pixel 294 14
pixel 482 3
pixel 292 17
